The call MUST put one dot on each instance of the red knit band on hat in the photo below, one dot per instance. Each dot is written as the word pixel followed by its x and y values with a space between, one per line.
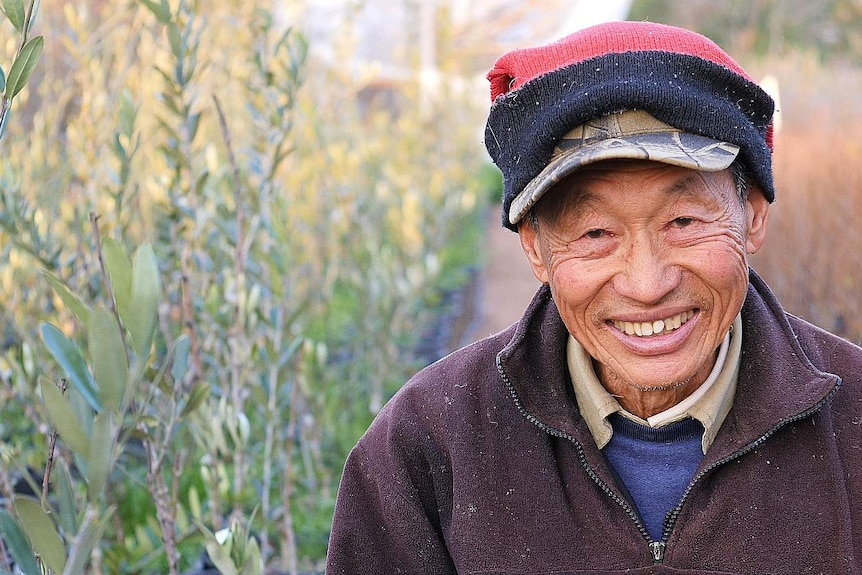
pixel 599 40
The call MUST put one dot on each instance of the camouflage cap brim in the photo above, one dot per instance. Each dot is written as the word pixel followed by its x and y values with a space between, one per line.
pixel 631 134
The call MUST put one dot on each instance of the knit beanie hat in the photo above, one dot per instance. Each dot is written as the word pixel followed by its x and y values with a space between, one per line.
pixel 622 90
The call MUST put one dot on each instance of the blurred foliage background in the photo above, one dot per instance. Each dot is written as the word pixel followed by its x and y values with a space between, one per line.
pixel 827 30
pixel 310 215
pixel 305 221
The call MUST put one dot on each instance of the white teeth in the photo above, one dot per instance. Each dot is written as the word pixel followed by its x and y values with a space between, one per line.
pixel 648 328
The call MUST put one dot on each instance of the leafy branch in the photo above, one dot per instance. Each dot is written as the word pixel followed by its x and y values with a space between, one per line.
pixel 26 57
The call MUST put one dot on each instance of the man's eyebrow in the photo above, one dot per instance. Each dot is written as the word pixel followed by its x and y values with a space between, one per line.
pixel 569 197
pixel 685 185
pixel 579 197
pixel 580 202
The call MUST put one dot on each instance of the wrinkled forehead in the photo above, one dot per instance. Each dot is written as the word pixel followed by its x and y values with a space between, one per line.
pixel 618 181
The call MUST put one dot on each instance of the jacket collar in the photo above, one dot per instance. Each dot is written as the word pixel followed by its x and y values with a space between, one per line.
pixel 777 382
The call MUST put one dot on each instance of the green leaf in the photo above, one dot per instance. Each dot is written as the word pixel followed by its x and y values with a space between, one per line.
pixel 67 355
pixel 193 123
pixel 22 67
pixel 108 354
pixel 202 181
pixel 91 531
pixel 17 544
pixel 252 565
pixel 175 40
pixel 160 10
pixel 4 118
pixel 220 557
pixel 41 532
pixel 67 515
pixel 146 289
pixel 101 446
pixel 127 115
pixel 32 16
pixel 195 503
pixel 180 364
pixel 119 268
pixel 289 351
pixel 73 302
pixel 199 394
pixel 14 10
pixel 64 419
pixel 81 408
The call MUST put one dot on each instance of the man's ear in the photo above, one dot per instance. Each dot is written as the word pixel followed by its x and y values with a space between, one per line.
pixel 757 216
pixel 529 236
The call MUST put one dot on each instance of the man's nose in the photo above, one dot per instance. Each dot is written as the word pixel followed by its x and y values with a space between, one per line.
pixel 646 275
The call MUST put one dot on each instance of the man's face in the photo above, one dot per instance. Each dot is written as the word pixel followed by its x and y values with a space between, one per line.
pixel 648 265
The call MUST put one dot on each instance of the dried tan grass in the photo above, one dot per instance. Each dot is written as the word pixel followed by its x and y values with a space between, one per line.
pixel 813 254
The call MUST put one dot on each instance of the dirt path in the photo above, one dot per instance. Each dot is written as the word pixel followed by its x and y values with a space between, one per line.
pixel 506 285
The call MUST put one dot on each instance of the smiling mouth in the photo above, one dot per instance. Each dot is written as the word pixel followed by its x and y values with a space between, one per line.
pixel 651 328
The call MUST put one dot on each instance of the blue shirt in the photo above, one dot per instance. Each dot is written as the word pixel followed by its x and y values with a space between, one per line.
pixel 655 465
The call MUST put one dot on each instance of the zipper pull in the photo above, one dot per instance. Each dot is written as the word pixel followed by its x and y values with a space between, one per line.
pixel 656 549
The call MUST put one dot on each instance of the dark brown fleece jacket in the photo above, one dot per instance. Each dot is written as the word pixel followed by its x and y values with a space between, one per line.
pixel 481 464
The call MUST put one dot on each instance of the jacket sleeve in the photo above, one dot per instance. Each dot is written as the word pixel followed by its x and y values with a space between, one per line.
pixel 385 517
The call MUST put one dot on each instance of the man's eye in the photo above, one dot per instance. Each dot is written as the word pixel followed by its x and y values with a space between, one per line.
pixel 595 234
pixel 683 222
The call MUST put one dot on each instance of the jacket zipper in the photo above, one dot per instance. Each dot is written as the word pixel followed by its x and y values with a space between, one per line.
pixel 670 519
pixel 656 548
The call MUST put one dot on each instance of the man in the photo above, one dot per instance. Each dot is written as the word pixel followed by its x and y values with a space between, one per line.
pixel 655 410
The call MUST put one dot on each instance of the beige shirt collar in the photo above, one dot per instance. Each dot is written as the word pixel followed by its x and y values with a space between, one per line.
pixel 709 403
